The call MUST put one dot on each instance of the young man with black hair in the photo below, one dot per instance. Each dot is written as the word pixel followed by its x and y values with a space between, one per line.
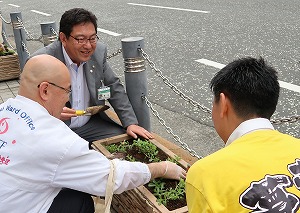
pixel 259 168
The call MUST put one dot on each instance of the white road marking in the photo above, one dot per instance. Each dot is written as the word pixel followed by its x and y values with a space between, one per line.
pixel 282 84
pixel 108 32
pixel 13 5
pixel 210 63
pixel 45 14
pixel 170 8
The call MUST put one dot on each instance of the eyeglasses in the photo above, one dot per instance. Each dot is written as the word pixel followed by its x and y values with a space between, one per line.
pixel 66 90
pixel 92 40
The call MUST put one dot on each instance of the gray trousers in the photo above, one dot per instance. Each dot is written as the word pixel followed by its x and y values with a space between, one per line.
pixel 98 128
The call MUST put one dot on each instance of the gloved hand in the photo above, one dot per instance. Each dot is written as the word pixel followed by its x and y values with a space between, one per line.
pixel 166 169
pixel 173 171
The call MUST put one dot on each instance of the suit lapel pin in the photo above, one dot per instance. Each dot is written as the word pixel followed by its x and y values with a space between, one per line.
pixel 93 66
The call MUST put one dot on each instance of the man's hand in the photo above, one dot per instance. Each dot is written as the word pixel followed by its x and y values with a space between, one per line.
pixel 67 114
pixel 134 130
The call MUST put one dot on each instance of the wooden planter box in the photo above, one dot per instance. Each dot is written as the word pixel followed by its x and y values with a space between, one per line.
pixel 141 200
pixel 9 67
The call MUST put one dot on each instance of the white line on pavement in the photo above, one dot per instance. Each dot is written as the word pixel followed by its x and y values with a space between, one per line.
pixel 13 5
pixel 210 63
pixel 45 14
pixel 108 32
pixel 282 84
pixel 170 8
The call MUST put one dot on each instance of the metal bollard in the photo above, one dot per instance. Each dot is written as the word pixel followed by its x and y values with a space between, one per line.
pixel 136 78
pixel 2 30
pixel 20 37
pixel 49 33
pixel 3 37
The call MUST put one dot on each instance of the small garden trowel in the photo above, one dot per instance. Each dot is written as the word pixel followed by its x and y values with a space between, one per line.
pixel 92 110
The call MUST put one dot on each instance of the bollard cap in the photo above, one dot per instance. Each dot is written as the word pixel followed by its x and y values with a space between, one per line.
pixel 131 45
pixel 132 39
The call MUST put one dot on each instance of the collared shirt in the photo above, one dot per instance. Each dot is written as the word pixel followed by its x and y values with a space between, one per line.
pixel 249 126
pixel 80 94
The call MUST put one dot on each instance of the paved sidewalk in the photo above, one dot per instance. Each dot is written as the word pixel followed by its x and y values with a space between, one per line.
pixel 8 89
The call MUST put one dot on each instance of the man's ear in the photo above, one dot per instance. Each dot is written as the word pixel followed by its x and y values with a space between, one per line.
pixel 62 37
pixel 224 104
pixel 43 90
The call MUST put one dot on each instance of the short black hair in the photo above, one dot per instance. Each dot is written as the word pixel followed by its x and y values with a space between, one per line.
pixel 251 85
pixel 74 17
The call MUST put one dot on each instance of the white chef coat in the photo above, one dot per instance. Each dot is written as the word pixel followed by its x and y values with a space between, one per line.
pixel 40 155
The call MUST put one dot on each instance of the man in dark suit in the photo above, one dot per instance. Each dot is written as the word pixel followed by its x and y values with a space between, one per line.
pixel 85 57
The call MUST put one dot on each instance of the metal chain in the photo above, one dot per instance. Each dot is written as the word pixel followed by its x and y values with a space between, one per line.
pixel 7 40
pixel 30 37
pixel 25 48
pixel 292 119
pixel 36 39
pixel 27 33
pixel 169 130
pixel 114 54
pixel 6 22
pixel 172 86
pixel 285 120
pixel 54 32
pixel 4 34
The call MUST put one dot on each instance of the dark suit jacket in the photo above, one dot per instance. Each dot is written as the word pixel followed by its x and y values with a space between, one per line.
pixel 95 70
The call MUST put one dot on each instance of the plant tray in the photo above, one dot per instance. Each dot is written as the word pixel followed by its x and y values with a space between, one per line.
pixel 9 67
pixel 140 199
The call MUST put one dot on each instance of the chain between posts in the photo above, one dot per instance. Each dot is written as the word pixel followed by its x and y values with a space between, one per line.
pixel 169 130
pixel 4 34
pixel 291 119
pixel 25 48
pixel 114 54
pixel 54 32
pixel 6 22
pixel 30 37
pixel 7 40
pixel 172 86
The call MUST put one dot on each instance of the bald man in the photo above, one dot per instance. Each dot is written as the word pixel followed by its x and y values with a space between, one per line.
pixel 44 165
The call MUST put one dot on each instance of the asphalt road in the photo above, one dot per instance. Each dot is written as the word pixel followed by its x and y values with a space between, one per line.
pixel 189 41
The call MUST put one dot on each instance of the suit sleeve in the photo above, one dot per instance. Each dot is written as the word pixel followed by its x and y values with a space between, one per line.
pixel 119 99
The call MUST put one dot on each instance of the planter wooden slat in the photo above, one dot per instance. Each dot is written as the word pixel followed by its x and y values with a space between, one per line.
pixel 139 200
pixel 9 67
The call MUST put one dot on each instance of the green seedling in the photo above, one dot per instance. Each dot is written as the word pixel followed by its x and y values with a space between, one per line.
pixel 130 158
pixel 163 194
pixel 145 147
pixel 122 147
pixel 176 159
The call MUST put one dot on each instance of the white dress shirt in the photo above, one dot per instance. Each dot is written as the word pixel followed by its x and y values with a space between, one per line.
pixel 249 126
pixel 80 93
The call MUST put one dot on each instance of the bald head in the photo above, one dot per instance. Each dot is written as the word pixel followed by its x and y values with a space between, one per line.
pixel 46 80
pixel 41 68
